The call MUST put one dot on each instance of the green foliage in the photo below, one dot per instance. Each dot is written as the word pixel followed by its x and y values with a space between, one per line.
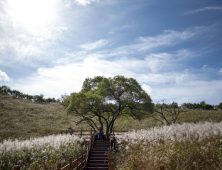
pixel 220 106
pixel 5 90
pixel 107 99
pixel 197 106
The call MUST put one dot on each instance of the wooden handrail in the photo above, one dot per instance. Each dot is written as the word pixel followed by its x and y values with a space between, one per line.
pixel 79 161
pixel 82 132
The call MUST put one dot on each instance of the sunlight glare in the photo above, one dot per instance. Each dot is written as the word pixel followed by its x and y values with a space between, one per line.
pixel 32 14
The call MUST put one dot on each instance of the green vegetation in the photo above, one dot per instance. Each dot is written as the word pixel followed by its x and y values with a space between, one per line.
pixel 5 90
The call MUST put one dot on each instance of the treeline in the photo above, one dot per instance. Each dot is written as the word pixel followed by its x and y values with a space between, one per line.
pixel 5 90
pixel 201 106
pixel 193 106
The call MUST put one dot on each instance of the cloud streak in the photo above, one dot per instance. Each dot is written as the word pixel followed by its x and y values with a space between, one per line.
pixel 203 9
pixel 96 45
pixel 85 2
pixel 168 38
pixel 220 72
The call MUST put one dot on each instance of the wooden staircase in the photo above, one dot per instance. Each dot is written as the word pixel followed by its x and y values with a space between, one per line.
pixel 98 156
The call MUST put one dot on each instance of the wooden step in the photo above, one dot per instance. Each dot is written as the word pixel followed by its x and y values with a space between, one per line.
pixel 98 157
pixel 100 149
pixel 99 152
pixel 102 144
pixel 97 165
pixel 104 162
pixel 97 168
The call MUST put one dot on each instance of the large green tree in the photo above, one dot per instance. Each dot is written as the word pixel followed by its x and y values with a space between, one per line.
pixel 106 99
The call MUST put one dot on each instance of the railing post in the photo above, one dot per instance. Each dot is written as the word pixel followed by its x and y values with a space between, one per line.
pixel 77 161
pixel 59 166
pixel 16 167
pixel 81 133
pixel 86 157
pixel 82 158
pixel 161 167
pixel 111 164
pixel 110 147
pixel 113 132
pixel 70 163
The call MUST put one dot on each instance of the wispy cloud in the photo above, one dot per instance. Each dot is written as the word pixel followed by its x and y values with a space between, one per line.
pixel 4 77
pixel 220 72
pixel 204 66
pixel 95 45
pixel 85 2
pixel 204 9
pixel 168 38
pixel 113 30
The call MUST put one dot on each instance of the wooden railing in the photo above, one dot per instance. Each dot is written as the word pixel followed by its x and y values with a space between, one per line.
pixel 80 162
pixel 80 132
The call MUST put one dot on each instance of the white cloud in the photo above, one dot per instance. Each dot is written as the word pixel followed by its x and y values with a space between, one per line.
pixel 111 31
pixel 147 88
pixel 68 77
pixel 168 38
pixel 220 72
pixel 95 45
pixel 192 92
pixel 204 66
pixel 203 9
pixel 85 2
pixel 157 62
pixel 21 44
pixel 4 77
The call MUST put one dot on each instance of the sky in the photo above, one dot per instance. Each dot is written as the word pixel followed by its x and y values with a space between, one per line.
pixel 172 48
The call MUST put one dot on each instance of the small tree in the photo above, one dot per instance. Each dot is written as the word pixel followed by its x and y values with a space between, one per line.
pixel 167 112
pixel 106 99
pixel 220 106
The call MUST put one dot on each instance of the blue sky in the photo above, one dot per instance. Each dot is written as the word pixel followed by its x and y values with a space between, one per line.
pixel 172 48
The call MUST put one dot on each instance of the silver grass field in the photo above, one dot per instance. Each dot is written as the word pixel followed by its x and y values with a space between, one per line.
pixel 39 153
pixel 177 147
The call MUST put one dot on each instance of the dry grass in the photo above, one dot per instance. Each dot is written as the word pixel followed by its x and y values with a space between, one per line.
pixel 186 146
pixel 23 119
pixel 191 116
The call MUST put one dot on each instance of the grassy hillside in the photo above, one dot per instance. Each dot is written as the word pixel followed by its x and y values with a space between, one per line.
pixel 24 119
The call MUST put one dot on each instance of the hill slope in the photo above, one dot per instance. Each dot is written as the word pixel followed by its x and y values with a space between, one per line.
pixel 23 119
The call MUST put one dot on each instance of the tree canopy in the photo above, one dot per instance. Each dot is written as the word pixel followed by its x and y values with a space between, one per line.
pixel 107 99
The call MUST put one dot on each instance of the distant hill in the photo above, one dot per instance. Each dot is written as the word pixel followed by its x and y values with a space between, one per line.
pixel 23 119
